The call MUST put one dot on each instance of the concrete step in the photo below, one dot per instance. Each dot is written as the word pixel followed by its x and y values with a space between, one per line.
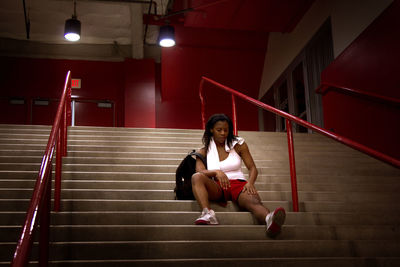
pixel 140 137
pixel 171 168
pixel 40 130
pixel 217 249
pixel 17 146
pixel 107 143
pixel 143 148
pixel 170 176
pixel 105 138
pixel 173 205
pixel 127 130
pixel 239 262
pixel 271 155
pixel 24 136
pixel 23 153
pixel 12 128
pixel 80 233
pixel 168 185
pixel 188 218
pixel 104 148
pixel 137 194
pixel 139 132
pixel 117 167
pixel 281 159
pixel 134 146
pixel 176 158
pixel 12 141
pixel 116 139
pixel 302 157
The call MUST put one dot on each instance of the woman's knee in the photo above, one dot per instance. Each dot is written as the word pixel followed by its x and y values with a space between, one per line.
pixel 198 177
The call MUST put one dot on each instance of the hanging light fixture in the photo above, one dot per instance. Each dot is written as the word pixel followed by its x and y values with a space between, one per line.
pixel 166 37
pixel 72 30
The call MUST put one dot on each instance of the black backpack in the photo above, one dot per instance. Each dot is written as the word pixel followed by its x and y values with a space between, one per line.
pixel 183 175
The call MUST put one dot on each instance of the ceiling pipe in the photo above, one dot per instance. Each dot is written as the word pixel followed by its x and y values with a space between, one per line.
pixel 127 1
pixel 27 21
pixel 147 24
pixel 163 19
pixel 191 9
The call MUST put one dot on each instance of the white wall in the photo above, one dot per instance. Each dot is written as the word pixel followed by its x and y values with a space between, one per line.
pixel 348 17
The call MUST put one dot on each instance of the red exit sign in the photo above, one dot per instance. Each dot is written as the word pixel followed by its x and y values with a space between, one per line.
pixel 76 83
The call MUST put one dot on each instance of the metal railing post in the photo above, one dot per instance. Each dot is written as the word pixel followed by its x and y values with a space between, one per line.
pixel 57 181
pixel 203 116
pixel 63 129
pixel 235 132
pixel 45 225
pixel 292 164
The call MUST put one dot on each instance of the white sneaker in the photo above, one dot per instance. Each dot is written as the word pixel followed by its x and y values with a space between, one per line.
pixel 207 217
pixel 274 221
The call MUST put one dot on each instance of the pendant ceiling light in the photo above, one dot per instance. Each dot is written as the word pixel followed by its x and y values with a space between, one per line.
pixel 166 37
pixel 72 31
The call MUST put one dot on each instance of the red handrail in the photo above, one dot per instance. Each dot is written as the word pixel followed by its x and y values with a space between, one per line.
pixel 324 87
pixel 39 207
pixel 290 118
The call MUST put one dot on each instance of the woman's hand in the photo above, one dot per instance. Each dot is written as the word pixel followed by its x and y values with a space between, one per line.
pixel 223 179
pixel 250 189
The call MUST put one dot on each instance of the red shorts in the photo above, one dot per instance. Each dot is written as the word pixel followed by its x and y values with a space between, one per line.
pixel 233 192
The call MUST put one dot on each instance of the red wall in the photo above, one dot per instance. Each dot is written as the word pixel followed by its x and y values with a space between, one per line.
pixel 44 78
pixel 144 94
pixel 140 92
pixel 234 59
pixel 128 85
pixel 370 64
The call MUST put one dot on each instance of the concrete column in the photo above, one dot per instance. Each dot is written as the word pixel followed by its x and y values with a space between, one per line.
pixel 137 31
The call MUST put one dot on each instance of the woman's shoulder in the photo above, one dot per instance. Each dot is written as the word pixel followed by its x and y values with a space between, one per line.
pixel 202 151
pixel 238 142
pixel 239 145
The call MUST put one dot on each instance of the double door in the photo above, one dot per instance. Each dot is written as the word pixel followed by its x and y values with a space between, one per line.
pixel 292 95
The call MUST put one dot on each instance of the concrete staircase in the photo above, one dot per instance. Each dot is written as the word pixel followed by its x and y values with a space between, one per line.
pixel 118 206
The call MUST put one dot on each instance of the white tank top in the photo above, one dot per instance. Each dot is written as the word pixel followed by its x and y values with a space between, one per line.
pixel 232 166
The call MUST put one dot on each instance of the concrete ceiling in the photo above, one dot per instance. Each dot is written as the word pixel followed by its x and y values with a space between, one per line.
pixel 126 23
pixel 103 22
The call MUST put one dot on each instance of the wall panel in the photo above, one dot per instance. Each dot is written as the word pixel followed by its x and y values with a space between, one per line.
pixel 370 64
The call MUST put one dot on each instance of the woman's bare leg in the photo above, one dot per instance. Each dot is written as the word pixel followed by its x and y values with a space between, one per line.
pixel 205 189
pixel 274 221
pixel 253 204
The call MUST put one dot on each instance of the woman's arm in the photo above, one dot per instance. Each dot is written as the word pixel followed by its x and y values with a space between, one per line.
pixel 244 152
pixel 217 174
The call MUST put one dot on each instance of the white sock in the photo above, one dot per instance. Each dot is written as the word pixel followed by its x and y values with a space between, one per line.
pixel 267 217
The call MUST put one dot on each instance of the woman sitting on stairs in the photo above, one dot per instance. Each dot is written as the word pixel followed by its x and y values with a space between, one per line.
pixel 223 179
